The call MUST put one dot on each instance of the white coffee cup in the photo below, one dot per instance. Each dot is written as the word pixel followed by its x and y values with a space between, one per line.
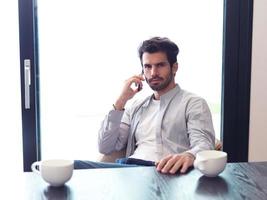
pixel 210 162
pixel 56 172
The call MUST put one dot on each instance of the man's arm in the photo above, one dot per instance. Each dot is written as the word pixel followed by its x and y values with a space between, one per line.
pixel 199 126
pixel 200 134
pixel 113 133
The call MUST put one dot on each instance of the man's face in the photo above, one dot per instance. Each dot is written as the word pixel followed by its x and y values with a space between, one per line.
pixel 157 70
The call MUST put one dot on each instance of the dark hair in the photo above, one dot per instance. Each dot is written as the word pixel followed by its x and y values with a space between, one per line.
pixel 159 44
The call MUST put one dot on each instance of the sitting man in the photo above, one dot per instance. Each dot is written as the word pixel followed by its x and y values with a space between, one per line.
pixel 169 127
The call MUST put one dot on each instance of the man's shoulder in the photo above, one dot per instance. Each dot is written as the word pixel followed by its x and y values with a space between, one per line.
pixel 194 102
pixel 189 95
pixel 179 94
pixel 190 98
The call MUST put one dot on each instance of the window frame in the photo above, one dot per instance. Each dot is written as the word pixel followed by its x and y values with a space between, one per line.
pixel 28 39
pixel 236 78
pixel 236 71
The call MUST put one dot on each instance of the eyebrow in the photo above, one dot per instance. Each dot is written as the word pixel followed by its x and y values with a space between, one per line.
pixel 156 64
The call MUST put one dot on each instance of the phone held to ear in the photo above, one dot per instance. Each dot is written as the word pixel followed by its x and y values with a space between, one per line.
pixel 139 87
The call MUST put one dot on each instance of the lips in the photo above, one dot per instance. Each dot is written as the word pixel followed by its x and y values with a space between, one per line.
pixel 155 80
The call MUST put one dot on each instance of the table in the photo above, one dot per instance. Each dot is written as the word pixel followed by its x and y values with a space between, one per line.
pixel 238 181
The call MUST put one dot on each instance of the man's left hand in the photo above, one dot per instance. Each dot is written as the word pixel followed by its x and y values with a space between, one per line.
pixel 174 162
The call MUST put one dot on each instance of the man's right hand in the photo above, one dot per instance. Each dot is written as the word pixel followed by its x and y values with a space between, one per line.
pixel 128 91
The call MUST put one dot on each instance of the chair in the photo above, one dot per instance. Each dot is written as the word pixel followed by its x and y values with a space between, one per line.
pixel 113 156
pixel 218 145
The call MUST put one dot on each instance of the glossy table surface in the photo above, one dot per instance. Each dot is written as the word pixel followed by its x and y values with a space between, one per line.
pixel 237 181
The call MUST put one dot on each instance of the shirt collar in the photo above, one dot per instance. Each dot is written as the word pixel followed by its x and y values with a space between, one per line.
pixel 166 97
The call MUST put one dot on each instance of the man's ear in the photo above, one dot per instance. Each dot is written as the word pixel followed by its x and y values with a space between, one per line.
pixel 174 68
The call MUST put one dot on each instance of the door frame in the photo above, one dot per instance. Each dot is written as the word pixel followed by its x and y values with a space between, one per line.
pixel 237 49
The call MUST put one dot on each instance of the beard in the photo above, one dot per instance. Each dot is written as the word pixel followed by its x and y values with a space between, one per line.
pixel 161 85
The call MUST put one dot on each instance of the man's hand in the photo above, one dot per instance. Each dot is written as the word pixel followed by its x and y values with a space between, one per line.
pixel 128 92
pixel 172 163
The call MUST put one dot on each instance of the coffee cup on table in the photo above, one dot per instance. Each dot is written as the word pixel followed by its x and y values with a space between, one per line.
pixel 56 172
pixel 210 162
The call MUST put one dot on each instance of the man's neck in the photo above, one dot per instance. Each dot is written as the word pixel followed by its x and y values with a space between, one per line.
pixel 158 94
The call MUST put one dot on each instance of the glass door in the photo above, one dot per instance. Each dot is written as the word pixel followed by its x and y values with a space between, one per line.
pixel 87 49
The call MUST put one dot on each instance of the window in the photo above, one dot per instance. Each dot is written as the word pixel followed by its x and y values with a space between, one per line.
pixel 87 50
pixel 237 31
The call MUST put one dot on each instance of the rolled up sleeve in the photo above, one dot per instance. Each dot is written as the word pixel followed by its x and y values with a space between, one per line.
pixel 113 134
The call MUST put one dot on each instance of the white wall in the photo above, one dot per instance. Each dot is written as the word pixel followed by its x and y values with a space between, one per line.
pixel 10 105
pixel 258 107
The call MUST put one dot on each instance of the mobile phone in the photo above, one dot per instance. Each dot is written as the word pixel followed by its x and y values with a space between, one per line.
pixel 139 87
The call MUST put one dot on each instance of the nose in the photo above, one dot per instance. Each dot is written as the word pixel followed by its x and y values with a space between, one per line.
pixel 154 71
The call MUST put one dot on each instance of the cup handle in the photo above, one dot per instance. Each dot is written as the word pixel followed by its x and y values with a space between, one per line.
pixel 34 165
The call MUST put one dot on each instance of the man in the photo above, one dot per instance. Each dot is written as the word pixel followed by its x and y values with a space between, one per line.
pixel 168 127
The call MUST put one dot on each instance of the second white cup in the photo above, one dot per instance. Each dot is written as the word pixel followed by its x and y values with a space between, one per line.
pixel 210 162
pixel 56 172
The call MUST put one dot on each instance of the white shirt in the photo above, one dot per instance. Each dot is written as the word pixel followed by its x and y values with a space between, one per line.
pixel 184 124
pixel 146 133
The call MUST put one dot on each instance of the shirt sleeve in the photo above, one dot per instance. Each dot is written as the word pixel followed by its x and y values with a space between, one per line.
pixel 199 126
pixel 114 132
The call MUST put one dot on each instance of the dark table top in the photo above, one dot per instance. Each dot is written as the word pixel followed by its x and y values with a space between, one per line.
pixel 238 181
